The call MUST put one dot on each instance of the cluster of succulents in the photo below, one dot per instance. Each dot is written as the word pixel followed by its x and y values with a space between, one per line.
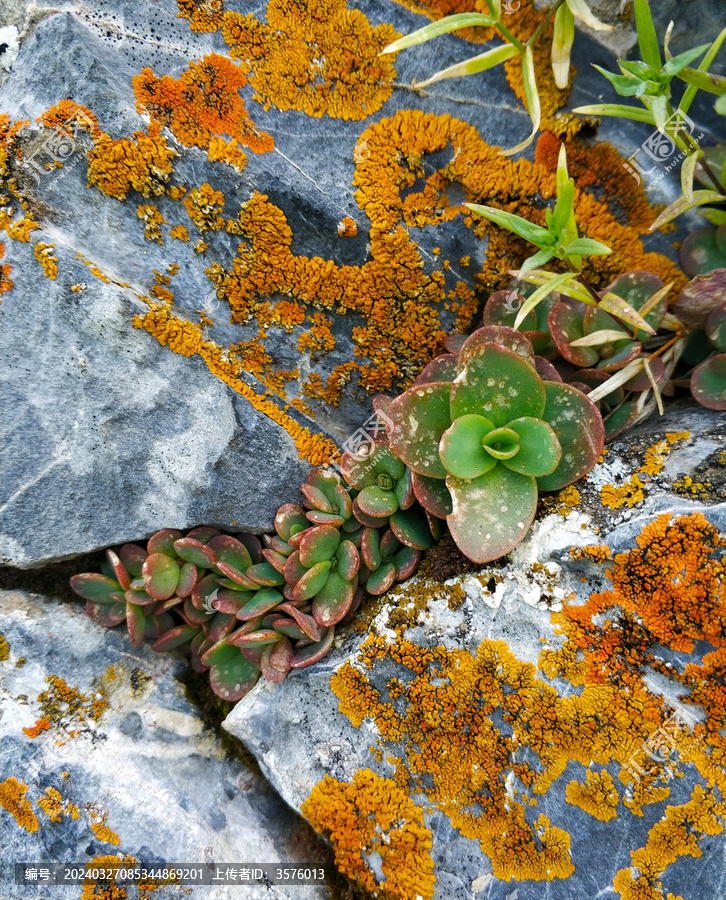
pixel 242 607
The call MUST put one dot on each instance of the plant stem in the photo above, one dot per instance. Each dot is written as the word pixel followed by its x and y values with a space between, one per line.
pixel 590 289
pixel 504 31
pixel 543 24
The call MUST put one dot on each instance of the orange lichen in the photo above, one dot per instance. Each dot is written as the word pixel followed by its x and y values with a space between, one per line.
pixel 53 806
pixel 12 799
pixel 204 15
pixel 4 648
pixel 44 255
pixel 67 116
pixel 227 152
pixel 104 833
pixel 202 205
pixel 598 796
pixel 5 270
pixel 153 220
pixel 315 57
pixel 40 726
pixel 374 816
pixel 687 485
pixel 347 227
pixel 179 233
pixel 627 494
pixel 656 455
pixel 317 339
pixel 142 162
pixel 96 889
pixel 177 191
pixel 203 103
pixel 598 553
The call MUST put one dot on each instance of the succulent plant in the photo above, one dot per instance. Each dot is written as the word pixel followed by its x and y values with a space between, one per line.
pixel 492 433
pixel 703 250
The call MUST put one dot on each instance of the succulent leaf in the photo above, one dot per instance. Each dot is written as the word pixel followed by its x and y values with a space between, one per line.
pixel 195 551
pixel 265 575
pixel 107 614
pixel 163 542
pixel 276 661
pixel 161 576
pixel 318 545
pixel 228 549
pixel 716 327
pixel 420 416
pixel 262 602
pixel 411 529
pixel 312 653
pixel 442 368
pixel 204 533
pixel 132 557
pixel 289 520
pixel 461 447
pixel 333 601
pixel 708 382
pixel 174 638
pixel 188 575
pixel 136 622
pixel 97 588
pixel 307 623
pixel 433 495
pixel 539 450
pixel 312 581
pixel 348 560
pixel 381 579
pixel 377 502
pixel 233 677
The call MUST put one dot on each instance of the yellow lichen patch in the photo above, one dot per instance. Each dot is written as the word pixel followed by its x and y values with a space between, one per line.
pixel 347 227
pixel 96 889
pixel 49 262
pixel 177 191
pixel 12 799
pixel 227 152
pixel 64 705
pixel 142 162
pixel 598 553
pixel 656 455
pixel 597 796
pixel 203 205
pixel 628 494
pixel 203 15
pixel 153 220
pixel 374 816
pixel 179 233
pixel 53 806
pixel 317 339
pixel 201 246
pixel 104 833
pixel 315 57
pixel 185 337
pixel 687 485
pixel 4 648
pixel 5 270
pixel 203 103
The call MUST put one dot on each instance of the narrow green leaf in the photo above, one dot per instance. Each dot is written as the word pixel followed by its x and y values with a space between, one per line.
pixel 658 107
pixel 598 338
pixel 571 288
pixel 616 306
pixel 637 68
pixel 688 170
pixel 443 26
pixel 564 35
pixel 580 10
pixel 625 85
pixel 563 208
pixel 476 64
pixel 678 63
pixel 535 234
pixel 570 232
pixel 703 66
pixel 587 247
pixel 616 109
pixel 532 96
pixel 541 292
pixel 714 216
pixel 647 39
pixel 704 81
pixel 538 259
pixel 700 198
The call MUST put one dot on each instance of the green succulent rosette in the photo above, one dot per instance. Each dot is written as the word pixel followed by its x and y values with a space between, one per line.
pixel 482 444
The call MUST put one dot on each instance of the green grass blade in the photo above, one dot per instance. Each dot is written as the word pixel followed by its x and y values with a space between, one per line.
pixel 443 26
pixel 616 109
pixel 647 39
pixel 476 64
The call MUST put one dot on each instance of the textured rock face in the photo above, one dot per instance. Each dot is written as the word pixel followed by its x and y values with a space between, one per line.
pixel 116 761
pixel 538 743
pixel 109 436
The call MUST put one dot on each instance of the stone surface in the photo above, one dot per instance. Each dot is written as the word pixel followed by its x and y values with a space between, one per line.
pixel 125 749
pixel 299 732
pixel 107 435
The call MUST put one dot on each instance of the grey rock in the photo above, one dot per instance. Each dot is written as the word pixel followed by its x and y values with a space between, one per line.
pixel 145 765
pixel 299 733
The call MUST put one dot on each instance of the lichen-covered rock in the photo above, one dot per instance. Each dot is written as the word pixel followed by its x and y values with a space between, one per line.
pixel 102 755
pixel 556 717
pixel 290 236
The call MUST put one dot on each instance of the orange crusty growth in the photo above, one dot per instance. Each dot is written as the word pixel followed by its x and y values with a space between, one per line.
pixel 374 816
pixel 44 255
pixel 597 796
pixel 5 270
pixel 203 205
pixel 142 162
pixel 202 103
pixel 316 57
pixel 53 806
pixel 12 799
pixel 203 15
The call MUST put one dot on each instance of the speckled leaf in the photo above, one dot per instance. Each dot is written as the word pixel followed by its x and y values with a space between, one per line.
pixel 261 602
pixel 290 519
pixel 566 324
pixel 174 638
pixel 491 514
pixel 461 449
pixel 641 382
pixel 276 560
pixel 203 533
pixel 405 562
pixel 321 518
pixel 432 494
pixel 318 545
pixel 294 569
pixel 539 450
pixel 389 543
pixel 194 616
pixel 255 638
pixel 277 659
pixel 411 529
pixel 289 627
pixel 97 588
pixel 161 576
pixel 221 625
pixel 348 560
pixel 442 368
pixel 377 501
pixel 265 575
pixel 333 601
pixel 366 520
pixel 188 575
pixel 316 498
pixel 546 370
pixel 136 622
pixel 404 490
pixel 132 557
pixel 194 551
pixel 381 579
pixel 234 677
pixel 228 549
pixel 701 295
pixel 119 570
pixel 139 598
pixel 370 547
pixel 312 581
pixel 420 416
pixel 313 652
pixel 107 614
pixel 306 622
pixel 163 541
pixel 203 589
pixel 580 432
pixel 345 504
pixel 703 250
pixel 498 384
pixel 708 382
pixel 230 602
pixel 235 576
pixel 494 334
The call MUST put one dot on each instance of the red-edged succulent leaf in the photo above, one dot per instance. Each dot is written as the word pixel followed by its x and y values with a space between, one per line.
pixel 567 324
pixel 260 603
pixel 716 327
pixel 377 502
pixel 294 569
pixel 188 576
pixel 316 498
pixel 321 518
pixel 389 544
pixel 107 614
pixel 504 337
pixel 306 622
pixel 169 604
pixel 235 576
pixel 161 576
pixel 348 560
pixel 278 545
pixel 370 548
pixel 289 627
pixel 491 514
pixel 405 562
pixel 265 575
pixel 332 602
pixel 203 533
pixel 432 494
pixel 276 560
pixel 381 579
pixel 546 370
pixel 708 382
pixel 420 416
pixel 230 602
pixel 163 542
pixel 319 545
pixel 194 551
pixel 345 504
pixel 703 250
pixel 411 529
pixel 636 288
pixel 498 384
pixel 312 581
pixel 194 616
pixel 221 625
pixel 313 653
pixel 202 591
pixel 404 490
pixel 176 637
pixel 233 677
pixel 702 294
pixel 276 661
pixel 580 432
pixel 436 525
pixel 119 571
pixel 97 588
pixel 539 449
pixel 139 598
pixel 253 545
pixel 255 638
pixel 228 549
pixel 366 520
pixel 136 622
pixel 454 342
pixel 132 557
pixel 622 353
pixel 442 368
